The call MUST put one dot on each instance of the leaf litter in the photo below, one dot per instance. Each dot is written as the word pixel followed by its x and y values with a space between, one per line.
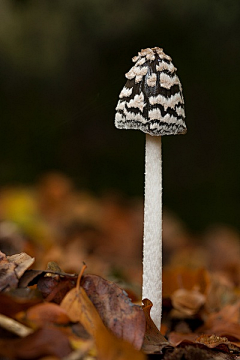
pixel 47 313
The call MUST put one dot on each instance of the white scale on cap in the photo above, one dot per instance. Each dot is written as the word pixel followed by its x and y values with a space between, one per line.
pixel 152 99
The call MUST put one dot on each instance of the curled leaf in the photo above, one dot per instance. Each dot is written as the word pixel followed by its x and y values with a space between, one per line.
pixel 188 302
pixel 80 308
pixel 12 268
pixel 154 341
pixel 118 313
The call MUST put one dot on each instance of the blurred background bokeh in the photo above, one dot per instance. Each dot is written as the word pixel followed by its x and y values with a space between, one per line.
pixel 62 66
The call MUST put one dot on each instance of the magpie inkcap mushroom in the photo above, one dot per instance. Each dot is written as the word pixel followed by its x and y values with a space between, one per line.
pixel 152 101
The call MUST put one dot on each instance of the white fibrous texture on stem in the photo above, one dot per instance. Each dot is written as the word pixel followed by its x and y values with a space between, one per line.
pixel 152 244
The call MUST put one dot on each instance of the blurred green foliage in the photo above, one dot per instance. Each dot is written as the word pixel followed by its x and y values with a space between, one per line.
pixel 62 66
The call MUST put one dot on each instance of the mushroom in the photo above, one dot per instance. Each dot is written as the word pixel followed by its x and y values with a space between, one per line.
pixel 152 101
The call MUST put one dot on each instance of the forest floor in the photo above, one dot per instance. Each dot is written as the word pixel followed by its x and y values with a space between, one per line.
pixel 70 280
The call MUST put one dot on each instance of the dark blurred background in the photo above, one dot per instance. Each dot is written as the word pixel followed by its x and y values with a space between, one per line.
pixel 62 66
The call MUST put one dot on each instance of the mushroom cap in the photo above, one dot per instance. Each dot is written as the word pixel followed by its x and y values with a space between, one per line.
pixel 152 99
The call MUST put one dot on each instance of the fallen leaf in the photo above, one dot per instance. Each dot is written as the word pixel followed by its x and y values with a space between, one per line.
pixel 187 302
pixel 224 322
pixel 212 341
pixel 12 268
pixel 43 342
pixel 55 287
pixel 154 341
pixel 118 313
pixel 198 352
pixel 16 300
pixel 80 308
pixel 22 262
pixel 220 292
pixel 30 277
pixel 182 278
pixel 42 314
pixel 8 278
pixel 204 341
pixel 226 329
pixel 175 338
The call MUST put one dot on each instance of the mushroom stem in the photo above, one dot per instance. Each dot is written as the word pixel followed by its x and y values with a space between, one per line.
pixel 152 243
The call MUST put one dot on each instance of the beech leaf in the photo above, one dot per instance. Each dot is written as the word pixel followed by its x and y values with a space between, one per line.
pixel 154 341
pixel 80 308
pixel 118 313
pixel 43 342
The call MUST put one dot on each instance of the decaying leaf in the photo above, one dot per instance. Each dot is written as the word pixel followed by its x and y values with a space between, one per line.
pixel 118 313
pixel 176 338
pixel 43 342
pixel 13 301
pixel 212 341
pixel 80 308
pixel 22 262
pixel 154 341
pixel 42 314
pixel 12 268
pixel 220 293
pixel 182 278
pixel 204 341
pixel 220 347
pixel 188 302
pixel 190 352
pixel 31 277
pixel 224 323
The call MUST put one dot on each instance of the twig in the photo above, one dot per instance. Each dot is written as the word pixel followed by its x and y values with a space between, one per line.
pixel 14 326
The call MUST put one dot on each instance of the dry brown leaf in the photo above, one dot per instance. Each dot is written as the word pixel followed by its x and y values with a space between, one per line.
pixel 224 328
pixel 43 342
pixel 212 341
pixel 224 322
pixel 182 278
pixel 175 338
pixel 8 277
pixel 12 268
pixel 22 262
pixel 154 341
pixel 31 277
pixel 230 313
pixel 55 287
pixel 191 351
pixel 42 314
pixel 187 302
pixel 220 292
pixel 80 308
pixel 14 301
pixel 118 313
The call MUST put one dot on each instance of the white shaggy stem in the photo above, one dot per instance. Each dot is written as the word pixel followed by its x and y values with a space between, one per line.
pixel 152 244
